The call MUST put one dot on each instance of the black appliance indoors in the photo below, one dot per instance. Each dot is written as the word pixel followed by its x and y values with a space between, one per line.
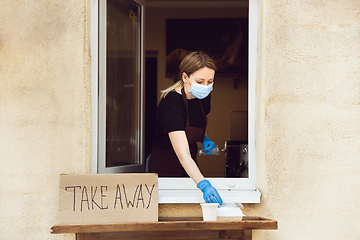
pixel 236 158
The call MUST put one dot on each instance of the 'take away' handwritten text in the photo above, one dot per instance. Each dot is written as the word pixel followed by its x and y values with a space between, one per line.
pixel 123 198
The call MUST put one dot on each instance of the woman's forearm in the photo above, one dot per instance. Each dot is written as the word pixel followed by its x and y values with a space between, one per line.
pixel 192 169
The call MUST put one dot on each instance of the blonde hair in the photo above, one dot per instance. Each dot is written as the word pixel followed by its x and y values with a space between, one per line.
pixel 191 63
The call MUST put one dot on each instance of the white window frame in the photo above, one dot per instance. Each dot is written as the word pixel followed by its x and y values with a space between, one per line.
pixel 98 92
pixel 183 190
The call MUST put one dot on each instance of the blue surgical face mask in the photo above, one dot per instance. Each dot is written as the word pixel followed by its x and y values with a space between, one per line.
pixel 200 91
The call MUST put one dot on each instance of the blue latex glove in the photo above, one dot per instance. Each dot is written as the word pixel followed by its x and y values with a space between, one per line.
pixel 208 144
pixel 211 195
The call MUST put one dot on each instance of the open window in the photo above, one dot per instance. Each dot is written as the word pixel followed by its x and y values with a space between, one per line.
pixel 119 88
pixel 127 130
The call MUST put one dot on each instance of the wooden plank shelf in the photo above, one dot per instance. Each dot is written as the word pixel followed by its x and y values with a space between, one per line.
pixel 170 228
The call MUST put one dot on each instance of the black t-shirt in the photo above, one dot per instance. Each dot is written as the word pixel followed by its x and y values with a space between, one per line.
pixel 171 116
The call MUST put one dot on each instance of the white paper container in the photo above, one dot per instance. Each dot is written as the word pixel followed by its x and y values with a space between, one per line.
pixel 209 211
pixel 229 213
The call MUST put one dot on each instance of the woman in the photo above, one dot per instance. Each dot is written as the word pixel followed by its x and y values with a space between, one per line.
pixel 181 123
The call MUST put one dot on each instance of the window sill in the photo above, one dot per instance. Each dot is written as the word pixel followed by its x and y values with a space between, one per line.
pixel 195 196
pixel 184 190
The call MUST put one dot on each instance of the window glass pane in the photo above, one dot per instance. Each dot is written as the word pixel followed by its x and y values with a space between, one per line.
pixel 122 83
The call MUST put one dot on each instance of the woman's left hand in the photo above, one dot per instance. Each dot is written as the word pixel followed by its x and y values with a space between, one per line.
pixel 208 144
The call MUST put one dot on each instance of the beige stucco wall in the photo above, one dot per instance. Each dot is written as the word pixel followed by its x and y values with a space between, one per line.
pixel 307 124
pixel 45 121
pixel 308 119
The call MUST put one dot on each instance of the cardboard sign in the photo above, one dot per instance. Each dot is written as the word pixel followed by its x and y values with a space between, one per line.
pixel 108 198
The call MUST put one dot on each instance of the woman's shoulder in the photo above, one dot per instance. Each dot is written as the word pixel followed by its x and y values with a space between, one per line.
pixel 172 96
pixel 172 99
pixel 174 93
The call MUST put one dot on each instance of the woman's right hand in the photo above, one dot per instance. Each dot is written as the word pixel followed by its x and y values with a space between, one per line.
pixel 210 194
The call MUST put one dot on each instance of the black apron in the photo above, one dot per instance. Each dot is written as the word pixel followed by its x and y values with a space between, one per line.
pixel 164 162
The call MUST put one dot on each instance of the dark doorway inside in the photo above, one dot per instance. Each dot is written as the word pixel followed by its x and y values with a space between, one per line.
pixel 150 99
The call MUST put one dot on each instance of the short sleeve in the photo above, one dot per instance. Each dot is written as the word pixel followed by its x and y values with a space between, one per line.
pixel 171 113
